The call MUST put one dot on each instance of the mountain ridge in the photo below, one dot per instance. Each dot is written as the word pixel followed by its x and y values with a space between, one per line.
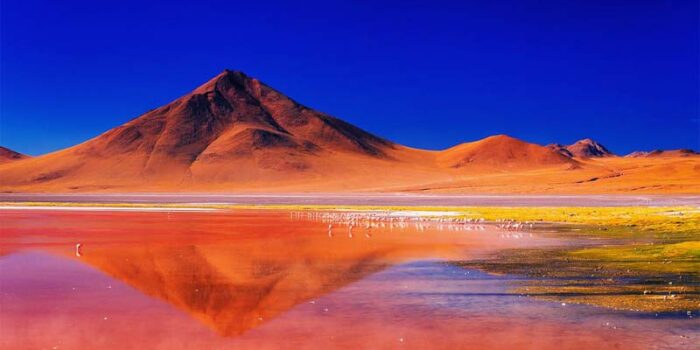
pixel 234 132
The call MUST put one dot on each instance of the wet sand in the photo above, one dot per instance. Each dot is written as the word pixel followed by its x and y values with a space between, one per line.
pixel 277 280
pixel 398 199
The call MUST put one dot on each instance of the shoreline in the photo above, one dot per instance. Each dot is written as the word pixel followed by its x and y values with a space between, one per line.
pixel 651 217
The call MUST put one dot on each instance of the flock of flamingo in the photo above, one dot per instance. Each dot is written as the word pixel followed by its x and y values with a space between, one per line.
pixel 365 221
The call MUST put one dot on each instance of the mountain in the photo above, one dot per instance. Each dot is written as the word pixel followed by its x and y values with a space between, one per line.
pixel 8 155
pixel 585 148
pixel 233 128
pixel 230 116
pixel 502 151
pixel 235 133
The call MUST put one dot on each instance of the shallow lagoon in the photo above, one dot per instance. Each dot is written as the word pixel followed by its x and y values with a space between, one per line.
pixel 275 279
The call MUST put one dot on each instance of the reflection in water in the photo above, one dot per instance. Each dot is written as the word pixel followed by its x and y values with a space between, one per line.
pixel 276 280
pixel 231 288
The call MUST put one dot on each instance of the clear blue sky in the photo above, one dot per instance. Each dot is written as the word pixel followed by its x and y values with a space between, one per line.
pixel 428 74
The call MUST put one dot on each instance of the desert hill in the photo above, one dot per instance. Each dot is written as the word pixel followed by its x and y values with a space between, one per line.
pixel 235 133
pixel 502 152
pixel 8 155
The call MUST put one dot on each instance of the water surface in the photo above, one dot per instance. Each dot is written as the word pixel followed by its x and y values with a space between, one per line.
pixel 279 280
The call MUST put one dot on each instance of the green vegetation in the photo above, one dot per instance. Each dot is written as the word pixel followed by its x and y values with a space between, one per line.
pixel 648 261
pixel 662 258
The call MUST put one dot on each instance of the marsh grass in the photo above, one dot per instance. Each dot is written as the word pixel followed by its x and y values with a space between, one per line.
pixel 634 280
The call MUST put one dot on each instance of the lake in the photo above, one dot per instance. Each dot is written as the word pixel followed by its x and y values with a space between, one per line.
pixel 264 279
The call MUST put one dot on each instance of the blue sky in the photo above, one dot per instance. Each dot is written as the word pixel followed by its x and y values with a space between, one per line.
pixel 425 74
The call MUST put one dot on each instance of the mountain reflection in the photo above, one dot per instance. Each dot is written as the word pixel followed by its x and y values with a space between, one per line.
pixel 233 287
pixel 234 272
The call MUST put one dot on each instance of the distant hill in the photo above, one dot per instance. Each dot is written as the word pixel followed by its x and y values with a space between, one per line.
pixel 585 148
pixel 501 151
pixel 664 153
